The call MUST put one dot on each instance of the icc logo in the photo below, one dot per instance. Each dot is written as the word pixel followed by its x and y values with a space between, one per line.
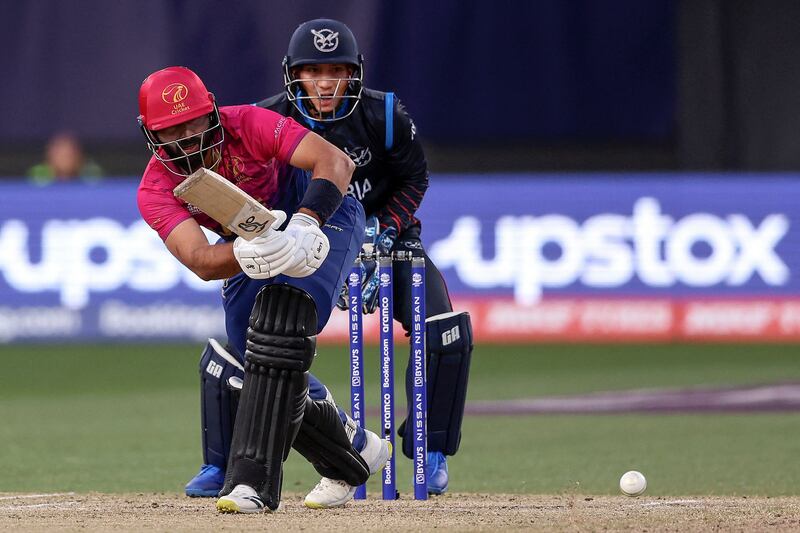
pixel 354 278
pixel 384 278
pixel 174 93
pixel 416 279
pixel 326 40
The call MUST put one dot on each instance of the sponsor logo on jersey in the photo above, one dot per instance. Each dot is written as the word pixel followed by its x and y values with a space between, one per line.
pixel 361 156
pixel 359 189
pixel 326 40
pixel 278 127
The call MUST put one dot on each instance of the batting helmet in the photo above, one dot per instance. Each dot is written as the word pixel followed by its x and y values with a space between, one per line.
pixel 320 42
pixel 172 96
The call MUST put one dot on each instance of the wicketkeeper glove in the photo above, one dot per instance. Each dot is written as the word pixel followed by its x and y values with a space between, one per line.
pixel 344 293
pixel 382 246
pixel 375 243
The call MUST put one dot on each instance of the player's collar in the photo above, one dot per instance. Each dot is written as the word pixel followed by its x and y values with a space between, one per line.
pixel 315 124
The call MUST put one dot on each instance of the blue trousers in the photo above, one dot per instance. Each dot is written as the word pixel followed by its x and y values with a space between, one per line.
pixel 345 231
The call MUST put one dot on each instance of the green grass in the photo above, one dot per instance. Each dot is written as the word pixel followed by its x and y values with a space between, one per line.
pixel 679 454
pixel 125 419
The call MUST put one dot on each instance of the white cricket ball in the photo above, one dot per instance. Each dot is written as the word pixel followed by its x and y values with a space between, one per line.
pixel 632 483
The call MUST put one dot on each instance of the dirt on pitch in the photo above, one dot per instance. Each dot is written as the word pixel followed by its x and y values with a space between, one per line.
pixel 456 512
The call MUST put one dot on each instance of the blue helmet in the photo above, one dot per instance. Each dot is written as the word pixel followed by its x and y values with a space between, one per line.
pixel 318 42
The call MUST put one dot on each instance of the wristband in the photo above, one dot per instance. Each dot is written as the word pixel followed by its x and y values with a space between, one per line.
pixel 322 197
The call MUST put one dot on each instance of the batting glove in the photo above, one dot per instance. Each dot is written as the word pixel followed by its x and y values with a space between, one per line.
pixel 267 255
pixel 311 245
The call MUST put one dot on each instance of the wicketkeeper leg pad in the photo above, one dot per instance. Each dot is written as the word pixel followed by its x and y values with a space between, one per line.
pixel 449 346
pixel 280 349
pixel 327 443
pixel 217 404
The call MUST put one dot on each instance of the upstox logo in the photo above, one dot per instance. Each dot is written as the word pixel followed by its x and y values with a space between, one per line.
pixel 536 253
pixel 75 258
pixel 174 93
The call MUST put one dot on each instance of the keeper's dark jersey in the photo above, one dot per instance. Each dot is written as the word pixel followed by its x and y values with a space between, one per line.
pixel 389 182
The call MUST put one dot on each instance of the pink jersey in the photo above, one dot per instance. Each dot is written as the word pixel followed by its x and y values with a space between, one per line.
pixel 258 145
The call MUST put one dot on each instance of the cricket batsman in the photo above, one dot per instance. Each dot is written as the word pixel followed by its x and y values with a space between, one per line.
pixel 279 288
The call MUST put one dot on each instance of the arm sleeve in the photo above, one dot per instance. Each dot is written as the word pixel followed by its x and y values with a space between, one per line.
pixel 269 134
pixel 408 170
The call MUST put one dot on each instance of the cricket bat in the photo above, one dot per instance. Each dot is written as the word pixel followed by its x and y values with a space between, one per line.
pixel 226 203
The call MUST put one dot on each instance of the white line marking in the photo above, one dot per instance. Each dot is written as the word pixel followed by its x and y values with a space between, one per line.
pixel 50 495
pixel 57 505
pixel 672 502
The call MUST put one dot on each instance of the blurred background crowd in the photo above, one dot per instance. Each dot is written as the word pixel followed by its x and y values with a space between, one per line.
pixel 508 86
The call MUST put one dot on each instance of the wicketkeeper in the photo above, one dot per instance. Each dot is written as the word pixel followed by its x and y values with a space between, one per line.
pixel 273 313
pixel 323 75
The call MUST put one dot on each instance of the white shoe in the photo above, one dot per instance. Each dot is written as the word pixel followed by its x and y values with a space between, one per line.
pixel 333 492
pixel 242 499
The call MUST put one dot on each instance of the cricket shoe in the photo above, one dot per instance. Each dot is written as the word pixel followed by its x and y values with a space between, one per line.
pixel 207 483
pixel 242 499
pixel 333 492
pixel 436 470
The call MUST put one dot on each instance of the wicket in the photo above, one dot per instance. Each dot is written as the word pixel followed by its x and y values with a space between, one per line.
pixel 418 418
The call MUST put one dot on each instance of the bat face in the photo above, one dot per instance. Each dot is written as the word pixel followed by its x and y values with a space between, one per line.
pixel 226 203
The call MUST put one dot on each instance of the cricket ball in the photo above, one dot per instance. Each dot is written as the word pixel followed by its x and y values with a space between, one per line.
pixel 632 483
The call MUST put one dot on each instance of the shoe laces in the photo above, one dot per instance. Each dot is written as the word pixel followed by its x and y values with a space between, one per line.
pixel 243 491
pixel 435 461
